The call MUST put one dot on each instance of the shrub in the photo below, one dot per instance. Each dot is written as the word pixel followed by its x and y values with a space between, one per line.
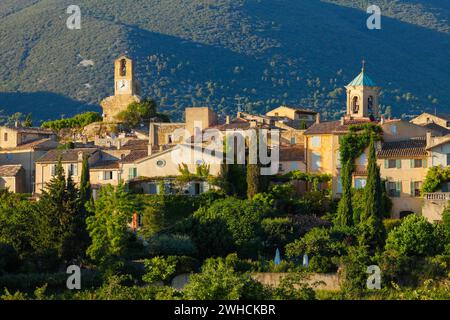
pixel 415 236
pixel 391 224
pixel 278 232
pixel 162 212
pixel 294 286
pixel 353 269
pixel 219 281
pixel 78 121
pixel 315 242
pixel 242 219
pixel 159 269
pixel 171 244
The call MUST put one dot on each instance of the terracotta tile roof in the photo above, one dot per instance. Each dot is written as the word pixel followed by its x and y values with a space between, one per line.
pixel 42 144
pixel 136 144
pixel 436 128
pixel 110 164
pixel 323 127
pixel 10 170
pixel 334 127
pixel 134 156
pixel 33 130
pixel 412 148
pixel 70 155
pixel 292 153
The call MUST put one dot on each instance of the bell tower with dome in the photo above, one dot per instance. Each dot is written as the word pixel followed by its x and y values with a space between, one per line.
pixel 126 90
pixel 362 97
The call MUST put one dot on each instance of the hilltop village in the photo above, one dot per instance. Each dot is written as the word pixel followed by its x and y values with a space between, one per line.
pixel 142 157
pixel 129 205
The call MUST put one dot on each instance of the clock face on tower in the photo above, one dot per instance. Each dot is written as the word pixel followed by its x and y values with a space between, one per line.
pixel 123 85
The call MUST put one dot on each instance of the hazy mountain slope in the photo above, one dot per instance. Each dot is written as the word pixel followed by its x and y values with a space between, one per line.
pixel 206 52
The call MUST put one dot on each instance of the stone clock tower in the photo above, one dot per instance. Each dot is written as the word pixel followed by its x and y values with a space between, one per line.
pixel 125 90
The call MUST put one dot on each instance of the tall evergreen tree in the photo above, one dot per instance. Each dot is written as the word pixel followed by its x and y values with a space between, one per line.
pixel 254 185
pixel 371 221
pixel 345 208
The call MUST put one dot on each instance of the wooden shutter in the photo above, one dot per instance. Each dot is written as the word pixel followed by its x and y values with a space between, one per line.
pixel 386 163
pixel 398 188
pixel 425 163
pixel 412 189
pixel 411 163
pixel 398 163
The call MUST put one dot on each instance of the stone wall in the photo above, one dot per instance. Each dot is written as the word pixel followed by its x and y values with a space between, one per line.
pixel 328 281
pixel 434 205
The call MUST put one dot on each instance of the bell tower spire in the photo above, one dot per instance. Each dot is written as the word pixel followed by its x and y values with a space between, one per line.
pixel 363 96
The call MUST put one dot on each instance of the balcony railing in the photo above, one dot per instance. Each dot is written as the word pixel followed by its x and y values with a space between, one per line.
pixel 444 196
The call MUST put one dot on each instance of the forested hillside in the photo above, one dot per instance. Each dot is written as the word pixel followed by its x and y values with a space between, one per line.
pixel 208 52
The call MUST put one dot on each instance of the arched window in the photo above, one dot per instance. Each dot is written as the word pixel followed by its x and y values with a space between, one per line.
pixel 355 105
pixel 123 67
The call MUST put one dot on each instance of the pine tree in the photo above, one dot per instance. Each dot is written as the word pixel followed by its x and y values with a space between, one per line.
pixel 371 220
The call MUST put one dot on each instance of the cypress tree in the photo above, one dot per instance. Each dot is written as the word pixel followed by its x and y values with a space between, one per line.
pixel 371 220
pixel 254 185
pixel 85 184
pixel 84 200
pixel 344 216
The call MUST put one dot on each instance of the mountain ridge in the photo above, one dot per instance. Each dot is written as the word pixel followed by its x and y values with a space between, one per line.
pixel 209 52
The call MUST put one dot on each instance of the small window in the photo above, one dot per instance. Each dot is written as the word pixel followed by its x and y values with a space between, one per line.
pixel 415 188
pixel 355 105
pixel 5 136
pixel 280 167
pixel 153 188
pixel 339 186
pixel 418 163
pixel 316 141
pixel 107 175
pixel 72 169
pixel 448 159
pixel 161 163
pixel 132 173
pixel 316 161
pixel 53 170
pixel 169 139
pixel 293 140
pixel 394 129
pixel 360 183
pixel 394 189
pixel 392 163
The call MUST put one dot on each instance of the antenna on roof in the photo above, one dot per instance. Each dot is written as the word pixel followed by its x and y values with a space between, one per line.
pixel 363 65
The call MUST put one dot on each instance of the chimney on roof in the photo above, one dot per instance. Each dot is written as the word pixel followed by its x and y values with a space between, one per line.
pixel 342 121
pixel 383 120
pixel 429 138
pixel 17 123
pixel 80 156
pixel 228 119
pixel 119 144
pixel 317 117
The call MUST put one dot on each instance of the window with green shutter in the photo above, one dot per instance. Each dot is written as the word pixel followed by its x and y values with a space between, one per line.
pixel 398 189
pixel 132 173
pixel 398 164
